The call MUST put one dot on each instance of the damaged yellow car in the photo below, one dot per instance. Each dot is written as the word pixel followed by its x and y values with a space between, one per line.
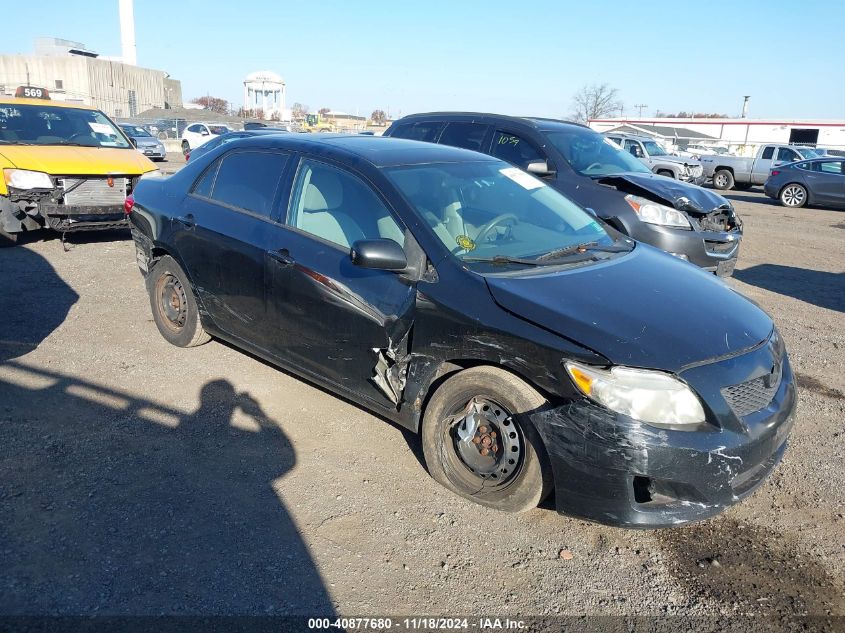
pixel 66 167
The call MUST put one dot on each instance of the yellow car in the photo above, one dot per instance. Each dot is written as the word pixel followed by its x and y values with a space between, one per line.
pixel 66 167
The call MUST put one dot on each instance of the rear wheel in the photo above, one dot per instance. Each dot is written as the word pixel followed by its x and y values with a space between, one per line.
pixel 793 195
pixel 173 304
pixel 479 443
pixel 723 179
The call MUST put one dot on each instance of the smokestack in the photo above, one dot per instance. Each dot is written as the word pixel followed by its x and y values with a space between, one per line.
pixel 127 33
pixel 744 114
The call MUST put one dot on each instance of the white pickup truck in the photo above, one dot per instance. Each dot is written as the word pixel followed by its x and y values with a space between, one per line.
pixel 728 172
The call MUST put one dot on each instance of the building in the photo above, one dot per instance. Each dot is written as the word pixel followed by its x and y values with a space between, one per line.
pixel 72 72
pixel 264 90
pixel 741 136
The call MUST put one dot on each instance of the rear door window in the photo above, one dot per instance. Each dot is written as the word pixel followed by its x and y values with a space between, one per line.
pixel 768 153
pixel 426 131
pixel 248 180
pixel 202 187
pixel 466 135
pixel 515 149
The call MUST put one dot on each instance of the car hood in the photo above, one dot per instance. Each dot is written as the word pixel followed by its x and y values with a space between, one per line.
pixel 147 141
pixel 70 160
pixel 675 193
pixel 644 309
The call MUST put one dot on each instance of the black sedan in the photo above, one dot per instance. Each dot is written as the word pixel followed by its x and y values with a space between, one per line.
pixel 819 181
pixel 533 348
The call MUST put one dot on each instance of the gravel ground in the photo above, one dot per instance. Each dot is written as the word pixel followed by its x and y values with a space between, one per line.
pixel 140 478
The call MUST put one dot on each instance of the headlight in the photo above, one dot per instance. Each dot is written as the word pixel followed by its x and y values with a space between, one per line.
pixel 655 213
pixel 25 179
pixel 153 173
pixel 648 396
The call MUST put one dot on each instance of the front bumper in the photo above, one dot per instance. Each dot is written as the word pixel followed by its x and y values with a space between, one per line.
pixel 68 218
pixel 153 151
pixel 618 471
pixel 714 251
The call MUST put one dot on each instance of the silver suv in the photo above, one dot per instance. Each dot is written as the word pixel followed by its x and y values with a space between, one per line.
pixel 658 159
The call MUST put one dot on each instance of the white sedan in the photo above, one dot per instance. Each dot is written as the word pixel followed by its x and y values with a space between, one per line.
pixel 197 134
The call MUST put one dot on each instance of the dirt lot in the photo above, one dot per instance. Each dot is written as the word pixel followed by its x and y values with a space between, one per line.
pixel 140 478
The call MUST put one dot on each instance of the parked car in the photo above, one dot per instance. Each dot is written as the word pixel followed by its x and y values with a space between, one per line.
pixel 228 138
pixel 277 126
pixel 657 159
pixel 145 142
pixel 198 133
pixel 818 181
pixel 728 172
pixel 65 166
pixel 530 346
pixel 690 222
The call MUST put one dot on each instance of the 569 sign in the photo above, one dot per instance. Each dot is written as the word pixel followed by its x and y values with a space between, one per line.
pixel 31 92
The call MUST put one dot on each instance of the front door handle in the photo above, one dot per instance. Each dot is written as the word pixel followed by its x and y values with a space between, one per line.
pixel 282 256
pixel 187 221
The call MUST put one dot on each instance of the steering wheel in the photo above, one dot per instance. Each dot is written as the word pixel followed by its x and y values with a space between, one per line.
pixel 592 165
pixel 486 228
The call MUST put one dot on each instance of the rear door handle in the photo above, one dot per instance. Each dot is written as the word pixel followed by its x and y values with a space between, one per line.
pixel 282 256
pixel 187 220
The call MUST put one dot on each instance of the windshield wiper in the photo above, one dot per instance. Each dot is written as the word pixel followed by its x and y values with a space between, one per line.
pixel 582 248
pixel 74 143
pixel 503 259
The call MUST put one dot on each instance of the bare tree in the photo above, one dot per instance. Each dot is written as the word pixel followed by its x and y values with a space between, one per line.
pixel 215 104
pixel 378 117
pixel 298 111
pixel 595 101
pixel 324 111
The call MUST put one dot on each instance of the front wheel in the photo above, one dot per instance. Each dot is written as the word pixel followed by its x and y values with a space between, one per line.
pixel 723 179
pixel 479 443
pixel 794 196
pixel 174 307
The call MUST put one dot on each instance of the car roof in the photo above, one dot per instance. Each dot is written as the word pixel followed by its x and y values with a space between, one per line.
pixel 540 123
pixel 44 103
pixel 380 151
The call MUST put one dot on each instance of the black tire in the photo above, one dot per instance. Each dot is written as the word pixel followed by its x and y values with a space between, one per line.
pixel 723 179
pixel 793 196
pixel 667 173
pixel 186 148
pixel 8 239
pixel 173 304
pixel 519 477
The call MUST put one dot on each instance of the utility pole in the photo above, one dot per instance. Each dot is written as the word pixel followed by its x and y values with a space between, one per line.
pixel 641 107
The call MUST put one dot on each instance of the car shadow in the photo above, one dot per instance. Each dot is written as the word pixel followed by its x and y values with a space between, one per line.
pixel 818 287
pixel 116 504
pixel 34 301
pixel 744 197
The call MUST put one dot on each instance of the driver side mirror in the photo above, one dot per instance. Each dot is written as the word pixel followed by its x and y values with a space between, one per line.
pixel 382 254
pixel 204 132
pixel 539 168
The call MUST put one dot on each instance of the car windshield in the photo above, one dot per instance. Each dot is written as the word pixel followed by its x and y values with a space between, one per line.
pixel 590 154
pixel 489 210
pixel 50 125
pixel 218 129
pixel 135 130
pixel 654 149
pixel 808 152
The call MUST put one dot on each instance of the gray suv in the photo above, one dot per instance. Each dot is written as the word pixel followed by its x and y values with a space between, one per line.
pixel 658 159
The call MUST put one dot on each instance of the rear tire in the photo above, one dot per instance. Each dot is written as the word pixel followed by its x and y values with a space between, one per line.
pixel 173 304
pixel 723 180
pixel 515 476
pixel 793 196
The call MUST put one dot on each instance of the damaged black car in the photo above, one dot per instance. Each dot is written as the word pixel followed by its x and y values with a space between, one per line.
pixel 535 350
pixel 683 219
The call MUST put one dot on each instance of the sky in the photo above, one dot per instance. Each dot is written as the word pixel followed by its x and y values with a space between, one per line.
pixel 524 58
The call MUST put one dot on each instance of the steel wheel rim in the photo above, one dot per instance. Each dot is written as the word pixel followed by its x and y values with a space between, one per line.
pixel 486 442
pixel 721 180
pixel 793 196
pixel 172 302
